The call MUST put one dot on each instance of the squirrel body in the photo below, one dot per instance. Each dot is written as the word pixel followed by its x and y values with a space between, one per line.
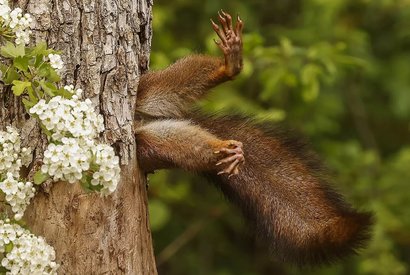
pixel 280 189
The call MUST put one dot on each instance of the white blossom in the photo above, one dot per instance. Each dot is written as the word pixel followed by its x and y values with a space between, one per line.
pixel 12 156
pixel 29 254
pixel 4 11
pixel 16 22
pixel 23 36
pixel 69 88
pixel 72 152
pixel 18 194
pixel 15 16
pixel 69 117
pixel 8 233
pixel 66 161
pixel 55 61
pixel 108 174
pixel 74 157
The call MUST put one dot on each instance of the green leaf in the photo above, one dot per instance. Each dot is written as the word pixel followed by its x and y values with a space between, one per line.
pixel 39 49
pixel 272 78
pixel 39 60
pixel 286 46
pixel 3 68
pixel 53 76
pixel 96 188
pixel 40 177
pixel 21 63
pixel 310 80
pixel 64 93
pixel 46 71
pixel 48 88
pixel 86 183
pixel 11 51
pixel 19 86
pixel 94 166
pixel 311 91
pixel 11 75
pixel 3 270
pixel 33 97
pixel 28 104
pixel 39 52
pixel 8 247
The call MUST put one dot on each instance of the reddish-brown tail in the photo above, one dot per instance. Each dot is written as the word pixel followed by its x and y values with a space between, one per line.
pixel 282 191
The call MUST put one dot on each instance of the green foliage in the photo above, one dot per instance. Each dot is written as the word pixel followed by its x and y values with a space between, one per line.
pixel 40 177
pixel 161 212
pixel 9 50
pixel 86 183
pixel 8 247
pixel 29 74
pixel 337 71
pixel 19 86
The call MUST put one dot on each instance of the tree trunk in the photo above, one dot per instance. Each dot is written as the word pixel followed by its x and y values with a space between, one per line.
pixel 105 46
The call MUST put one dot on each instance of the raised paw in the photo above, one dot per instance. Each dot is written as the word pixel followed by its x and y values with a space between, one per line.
pixel 233 153
pixel 230 42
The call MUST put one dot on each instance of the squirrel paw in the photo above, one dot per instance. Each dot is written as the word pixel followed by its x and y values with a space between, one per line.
pixel 231 42
pixel 235 157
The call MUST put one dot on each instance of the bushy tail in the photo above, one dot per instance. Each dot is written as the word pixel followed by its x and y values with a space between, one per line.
pixel 282 191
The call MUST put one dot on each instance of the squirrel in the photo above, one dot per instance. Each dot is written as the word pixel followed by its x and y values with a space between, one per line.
pixel 281 188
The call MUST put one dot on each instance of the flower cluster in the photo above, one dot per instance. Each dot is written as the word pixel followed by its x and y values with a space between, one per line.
pixel 55 61
pixel 69 117
pixel 108 173
pixel 66 161
pixel 25 253
pixel 75 158
pixel 12 156
pixel 73 152
pixel 15 22
pixel 18 194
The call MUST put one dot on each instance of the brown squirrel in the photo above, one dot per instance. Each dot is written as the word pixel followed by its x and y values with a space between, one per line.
pixel 281 188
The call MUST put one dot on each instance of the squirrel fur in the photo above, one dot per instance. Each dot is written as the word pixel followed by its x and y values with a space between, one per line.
pixel 281 188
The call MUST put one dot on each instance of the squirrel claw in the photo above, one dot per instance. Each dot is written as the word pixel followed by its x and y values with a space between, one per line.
pixel 230 36
pixel 235 158
pixel 230 42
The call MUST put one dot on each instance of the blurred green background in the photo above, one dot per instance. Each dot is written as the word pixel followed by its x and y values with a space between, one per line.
pixel 338 71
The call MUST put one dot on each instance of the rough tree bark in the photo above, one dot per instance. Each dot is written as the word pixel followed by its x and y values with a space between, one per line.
pixel 105 46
